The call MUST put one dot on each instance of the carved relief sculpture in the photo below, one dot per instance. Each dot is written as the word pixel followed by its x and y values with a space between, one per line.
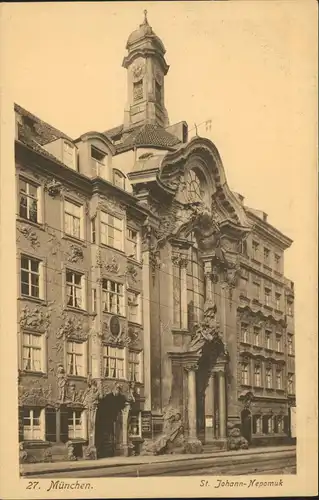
pixel 29 234
pixel 75 254
pixel 35 319
pixel 61 383
pixel 172 438
pixel 53 187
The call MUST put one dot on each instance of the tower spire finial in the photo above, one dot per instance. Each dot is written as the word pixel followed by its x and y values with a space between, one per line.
pixel 145 17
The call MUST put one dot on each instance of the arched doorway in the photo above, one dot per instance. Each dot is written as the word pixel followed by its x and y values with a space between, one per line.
pixel 108 425
pixel 246 425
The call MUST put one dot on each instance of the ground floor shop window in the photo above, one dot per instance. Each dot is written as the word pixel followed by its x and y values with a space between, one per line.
pixel 134 426
pixel 76 424
pixel 33 424
pixel 257 424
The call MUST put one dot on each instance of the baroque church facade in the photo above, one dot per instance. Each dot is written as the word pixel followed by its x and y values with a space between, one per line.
pixel 153 311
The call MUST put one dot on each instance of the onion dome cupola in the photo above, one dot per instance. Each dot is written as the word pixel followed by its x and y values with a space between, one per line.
pixel 146 68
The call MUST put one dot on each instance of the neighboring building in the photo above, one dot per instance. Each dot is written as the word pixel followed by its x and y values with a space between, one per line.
pixel 146 287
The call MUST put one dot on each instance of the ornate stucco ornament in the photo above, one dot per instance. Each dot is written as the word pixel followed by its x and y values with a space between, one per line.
pixel 131 273
pixel 75 254
pixel 207 331
pixel 29 234
pixel 35 395
pixel 54 187
pixel 35 319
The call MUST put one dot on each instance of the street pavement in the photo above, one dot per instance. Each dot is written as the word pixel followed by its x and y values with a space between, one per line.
pixel 256 461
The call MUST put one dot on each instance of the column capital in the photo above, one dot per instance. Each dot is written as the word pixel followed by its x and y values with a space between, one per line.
pixel 191 366
pixel 219 368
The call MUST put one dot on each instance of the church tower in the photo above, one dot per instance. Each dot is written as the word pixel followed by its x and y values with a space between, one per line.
pixel 146 68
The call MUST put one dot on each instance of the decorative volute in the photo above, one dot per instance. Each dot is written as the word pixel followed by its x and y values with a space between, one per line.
pixel 146 68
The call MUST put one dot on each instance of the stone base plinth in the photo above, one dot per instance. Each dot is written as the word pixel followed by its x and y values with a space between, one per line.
pixel 193 446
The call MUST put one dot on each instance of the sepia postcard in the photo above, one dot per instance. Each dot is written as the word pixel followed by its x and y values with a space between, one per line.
pixel 158 249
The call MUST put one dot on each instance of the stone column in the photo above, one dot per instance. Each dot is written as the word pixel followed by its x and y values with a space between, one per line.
pixel 184 294
pixel 210 410
pixel 58 423
pixel 125 439
pixel 193 445
pixel 147 330
pixel 222 404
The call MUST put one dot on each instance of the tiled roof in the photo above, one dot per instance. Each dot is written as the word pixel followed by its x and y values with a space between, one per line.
pixel 113 132
pixel 42 132
pixel 150 135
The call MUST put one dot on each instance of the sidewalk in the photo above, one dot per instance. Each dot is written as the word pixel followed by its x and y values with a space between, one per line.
pixel 52 467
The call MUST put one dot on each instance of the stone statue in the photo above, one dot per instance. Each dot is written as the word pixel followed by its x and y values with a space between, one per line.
pixel 207 330
pixel 62 382
pixel 172 438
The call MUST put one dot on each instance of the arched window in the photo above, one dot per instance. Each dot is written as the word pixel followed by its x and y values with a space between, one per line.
pixel 195 187
pixel 118 179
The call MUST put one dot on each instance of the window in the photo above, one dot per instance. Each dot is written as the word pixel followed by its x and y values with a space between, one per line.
pixel 33 428
pixel 290 344
pixel 270 425
pixel 132 243
pixel 99 160
pixel 280 424
pixel 74 289
pixel 134 425
pixel 255 250
pixel 290 308
pixel 76 424
pixel 133 303
pixel 243 247
pixel 134 366
pixel 195 286
pixel 278 301
pixel 290 383
pixel 32 352
pixel 28 198
pixel 258 424
pixel 93 300
pixel 68 155
pixel 244 333
pixel 177 296
pixel 256 289
pixel 278 343
pixel 72 219
pixel 244 374
pixel 113 362
pixel 113 297
pixel 111 231
pixel 158 93
pixel 93 230
pixel 269 378
pixel 75 359
pixel 266 256
pixel 30 277
pixel 277 262
pixel 243 286
pixel 138 90
pixel 268 339
pixel 257 376
pixel 278 379
pixel 118 179
pixel 267 296
pixel 256 336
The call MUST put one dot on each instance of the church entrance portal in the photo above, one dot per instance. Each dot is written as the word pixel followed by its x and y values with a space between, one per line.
pixel 108 425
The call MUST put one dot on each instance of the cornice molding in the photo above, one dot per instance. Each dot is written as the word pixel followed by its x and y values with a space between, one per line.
pixel 269 231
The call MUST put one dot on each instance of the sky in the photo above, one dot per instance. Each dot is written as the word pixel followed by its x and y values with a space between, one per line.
pixel 249 67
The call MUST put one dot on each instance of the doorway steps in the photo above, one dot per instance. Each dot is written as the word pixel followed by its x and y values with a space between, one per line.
pixel 214 447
